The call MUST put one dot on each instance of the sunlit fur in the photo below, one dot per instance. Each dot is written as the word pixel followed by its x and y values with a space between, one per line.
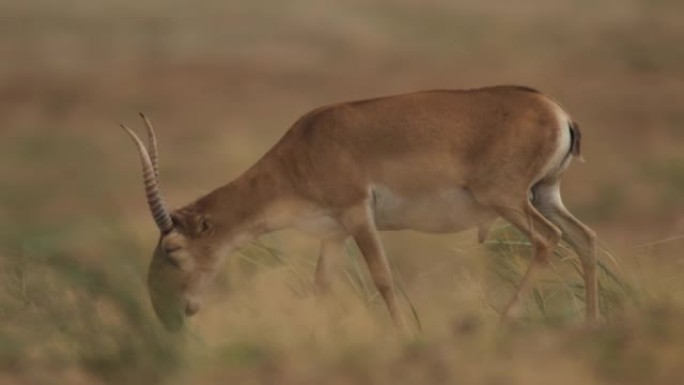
pixel 435 161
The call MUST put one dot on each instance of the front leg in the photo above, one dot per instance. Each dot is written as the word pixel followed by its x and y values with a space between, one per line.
pixel 359 222
pixel 332 251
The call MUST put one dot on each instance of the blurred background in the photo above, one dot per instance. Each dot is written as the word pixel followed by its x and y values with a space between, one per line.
pixel 222 81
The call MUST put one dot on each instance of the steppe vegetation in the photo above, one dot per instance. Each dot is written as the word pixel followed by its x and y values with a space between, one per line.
pixel 222 81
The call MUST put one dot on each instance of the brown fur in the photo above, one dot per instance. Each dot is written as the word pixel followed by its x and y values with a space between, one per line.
pixel 486 147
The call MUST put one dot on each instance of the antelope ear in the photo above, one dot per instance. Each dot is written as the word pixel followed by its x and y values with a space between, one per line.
pixel 205 225
pixel 198 224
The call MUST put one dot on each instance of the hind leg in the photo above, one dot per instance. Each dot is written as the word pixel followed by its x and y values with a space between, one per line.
pixel 515 207
pixel 582 239
pixel 543 236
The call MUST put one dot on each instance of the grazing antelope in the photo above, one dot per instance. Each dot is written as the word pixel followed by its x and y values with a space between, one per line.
pixel 434 161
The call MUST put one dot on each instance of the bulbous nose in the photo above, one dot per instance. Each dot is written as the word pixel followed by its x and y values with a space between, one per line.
pixel 192 307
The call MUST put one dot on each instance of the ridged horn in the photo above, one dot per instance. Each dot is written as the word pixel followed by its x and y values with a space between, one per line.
pixel 152 144
pixel 154 199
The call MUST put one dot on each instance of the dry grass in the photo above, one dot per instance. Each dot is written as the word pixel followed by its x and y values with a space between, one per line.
pixel 222 81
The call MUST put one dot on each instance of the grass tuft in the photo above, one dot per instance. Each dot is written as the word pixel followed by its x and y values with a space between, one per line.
pixel 561 298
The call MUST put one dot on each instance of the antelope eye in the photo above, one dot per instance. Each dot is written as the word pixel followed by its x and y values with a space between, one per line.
pixel 175 259
pixel 178 257
pixel 172 248
pixel 173 242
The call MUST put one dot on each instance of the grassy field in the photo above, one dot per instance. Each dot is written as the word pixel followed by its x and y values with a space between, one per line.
pixel 222 81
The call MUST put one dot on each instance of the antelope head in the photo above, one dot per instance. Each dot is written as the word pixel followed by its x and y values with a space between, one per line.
pixel 184 258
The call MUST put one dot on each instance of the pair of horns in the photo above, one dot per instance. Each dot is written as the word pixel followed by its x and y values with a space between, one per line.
pixel 151 176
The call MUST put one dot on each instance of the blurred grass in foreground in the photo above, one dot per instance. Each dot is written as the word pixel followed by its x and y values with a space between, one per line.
pixel 61 311
pixel 64 318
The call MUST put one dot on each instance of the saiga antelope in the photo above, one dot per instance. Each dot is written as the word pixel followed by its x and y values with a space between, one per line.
pixel 435 161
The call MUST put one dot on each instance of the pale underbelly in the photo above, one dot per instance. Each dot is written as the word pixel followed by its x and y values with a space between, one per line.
pixel 443 211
